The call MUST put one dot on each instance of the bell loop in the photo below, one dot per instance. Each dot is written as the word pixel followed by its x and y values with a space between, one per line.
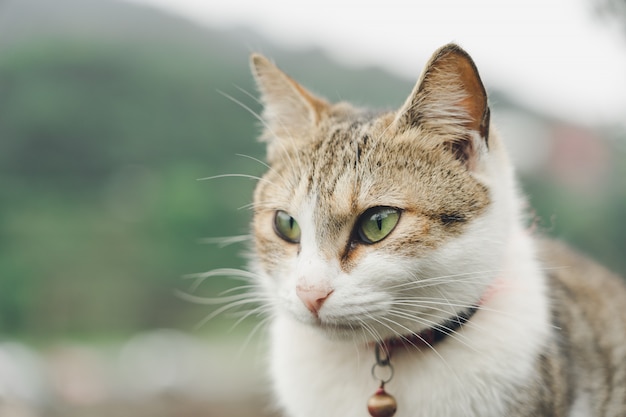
pixel 382 370
pixel 388 376
pixel 384 358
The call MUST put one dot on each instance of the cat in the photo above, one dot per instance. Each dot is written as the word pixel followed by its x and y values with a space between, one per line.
pixel 393 252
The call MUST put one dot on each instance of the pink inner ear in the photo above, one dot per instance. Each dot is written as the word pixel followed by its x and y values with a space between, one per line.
pixel 449 97
pixel 318 105
pixel 475 103
pixel 288 105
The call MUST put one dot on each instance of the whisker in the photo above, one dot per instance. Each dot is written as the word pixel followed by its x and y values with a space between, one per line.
pixel 443 296
pixel 469 276
pixel 430 323
pixel 430 301
pixel 271 169
pixel 250 335
pixel 227 307
pixel 452 370
pixel 264 205
pixel 210 301
pixel 222 272
pixel 239 288
pixel 419 301
pixel 292 180
pixel 249 176
pixel 249 94
pixel 255 160
pixel 369 329
pixel 265 124
pixel 222 242
pixel 408 332
pixel 255 311
pixel 394 331
pixel 246 107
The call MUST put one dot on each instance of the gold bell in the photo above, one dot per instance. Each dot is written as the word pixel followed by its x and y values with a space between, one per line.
pixel 382 404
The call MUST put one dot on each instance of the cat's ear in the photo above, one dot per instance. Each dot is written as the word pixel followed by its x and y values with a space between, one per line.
pixel 450 99
pixel 289 109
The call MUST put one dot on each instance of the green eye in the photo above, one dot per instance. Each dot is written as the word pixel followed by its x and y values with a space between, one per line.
pixel 286 227
pixel 377 223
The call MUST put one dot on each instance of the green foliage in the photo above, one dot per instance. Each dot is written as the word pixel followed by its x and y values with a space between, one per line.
pixel 100 207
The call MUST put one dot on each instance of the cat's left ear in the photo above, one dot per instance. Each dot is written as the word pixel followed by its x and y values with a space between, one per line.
pixel 289 109
pixel 450 100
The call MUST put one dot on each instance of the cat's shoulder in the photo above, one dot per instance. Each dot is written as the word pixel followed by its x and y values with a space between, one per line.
pixel 578 277
pixel 570 264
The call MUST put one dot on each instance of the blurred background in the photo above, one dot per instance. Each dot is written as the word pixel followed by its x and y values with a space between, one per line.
pixel 110 112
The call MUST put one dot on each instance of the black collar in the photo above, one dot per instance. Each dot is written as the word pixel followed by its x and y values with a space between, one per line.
pixel 432 335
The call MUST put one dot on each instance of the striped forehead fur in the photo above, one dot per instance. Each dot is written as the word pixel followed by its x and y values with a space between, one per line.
pixel 363 161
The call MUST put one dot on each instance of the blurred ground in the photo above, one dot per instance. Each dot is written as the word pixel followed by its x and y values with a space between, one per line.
pixel 159 373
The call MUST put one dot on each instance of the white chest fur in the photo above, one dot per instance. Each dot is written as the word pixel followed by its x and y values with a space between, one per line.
pixel 470 374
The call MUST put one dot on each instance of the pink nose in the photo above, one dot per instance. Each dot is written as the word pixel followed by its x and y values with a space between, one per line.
pixel 313 297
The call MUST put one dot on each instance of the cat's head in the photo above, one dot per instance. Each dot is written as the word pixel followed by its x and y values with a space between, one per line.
pixel 369 225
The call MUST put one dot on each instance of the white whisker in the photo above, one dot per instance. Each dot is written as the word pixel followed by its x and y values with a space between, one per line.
pixel 420 301
pixel 221 272
pixel 257 311
pixel 229 306
pixel 211 301
pixel 249 176
pixel 271 169
pixel 431 302
pixel 430 323
pixel 242 288
pixel 246 92
pixel 267 126
pixel 250 335
pixel 245 107
pixel 225 241
pixel 256 160
pixel 421 282
pixel 450 368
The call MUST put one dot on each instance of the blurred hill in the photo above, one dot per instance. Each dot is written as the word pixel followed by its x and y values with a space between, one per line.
pixel 110 111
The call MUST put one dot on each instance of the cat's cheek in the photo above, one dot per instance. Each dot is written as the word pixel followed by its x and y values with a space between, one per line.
pixel 273 253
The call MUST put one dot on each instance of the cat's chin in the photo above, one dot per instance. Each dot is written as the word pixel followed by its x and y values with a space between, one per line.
pixel 346 332
pixel 336 331
pixel 340 333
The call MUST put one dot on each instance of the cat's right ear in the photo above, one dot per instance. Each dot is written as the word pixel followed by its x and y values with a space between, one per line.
pixel 289 109
pixel 450 101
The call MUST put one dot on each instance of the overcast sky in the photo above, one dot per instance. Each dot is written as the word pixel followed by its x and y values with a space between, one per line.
pixel 555 55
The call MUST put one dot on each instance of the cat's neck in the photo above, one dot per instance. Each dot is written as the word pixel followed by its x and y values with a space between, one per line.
pixel 431 336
